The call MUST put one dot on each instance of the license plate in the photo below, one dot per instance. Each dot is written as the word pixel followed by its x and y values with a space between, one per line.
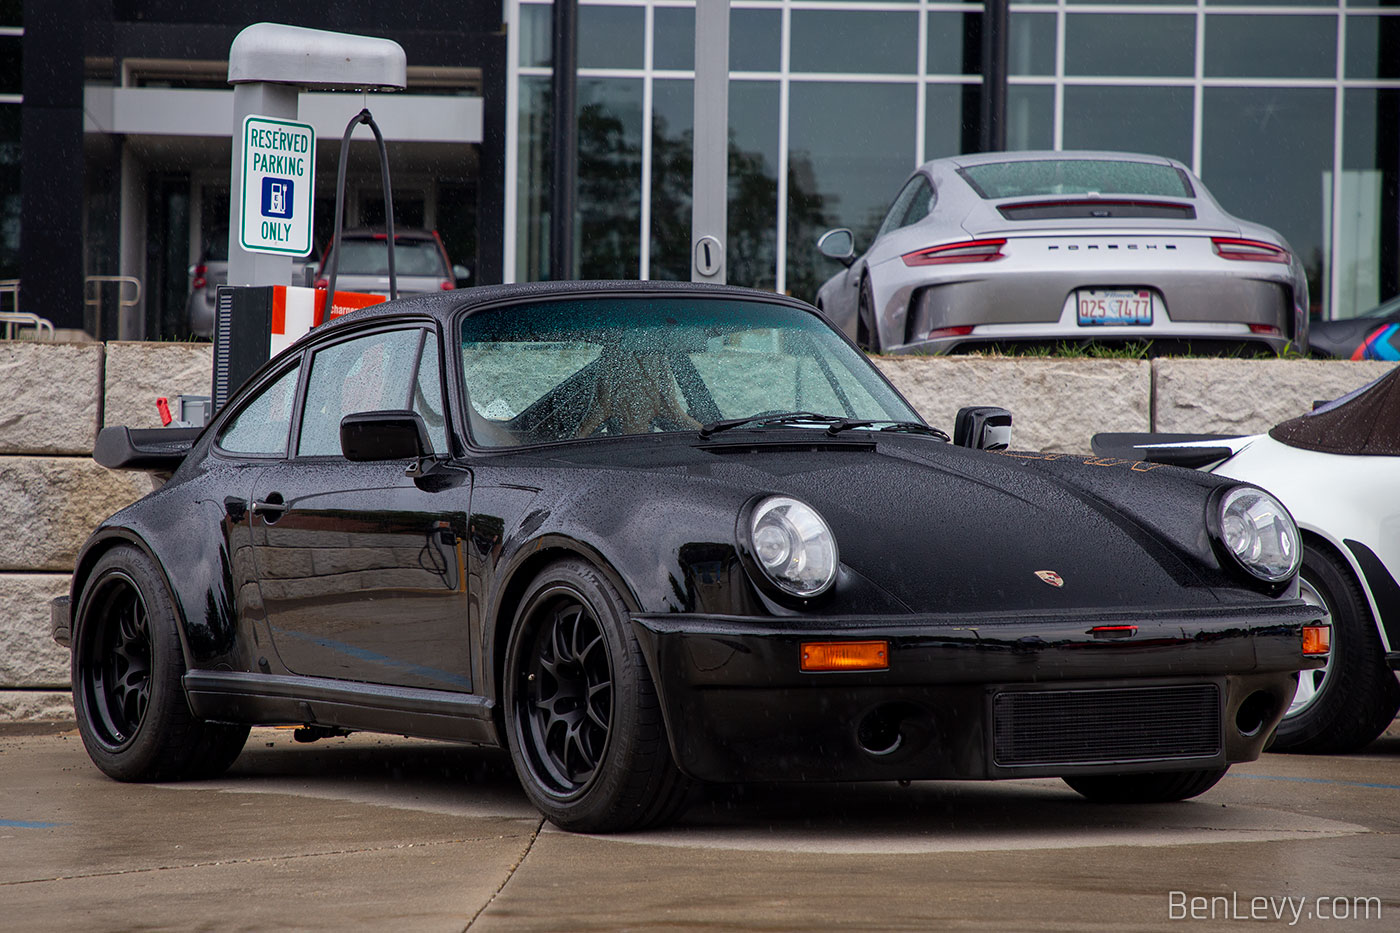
pixel 1114 306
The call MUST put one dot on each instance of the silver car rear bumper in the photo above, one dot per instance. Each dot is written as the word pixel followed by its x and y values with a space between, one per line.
pixel 1031 295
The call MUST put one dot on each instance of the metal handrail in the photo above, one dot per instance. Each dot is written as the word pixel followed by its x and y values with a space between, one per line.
pixel 22 319
pixel 10 287
pixel 92 299
pixel 15 318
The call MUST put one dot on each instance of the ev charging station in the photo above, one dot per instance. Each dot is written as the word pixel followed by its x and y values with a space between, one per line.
pixel 272 181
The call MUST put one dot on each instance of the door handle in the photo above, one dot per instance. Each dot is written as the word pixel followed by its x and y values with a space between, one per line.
pixel 270 508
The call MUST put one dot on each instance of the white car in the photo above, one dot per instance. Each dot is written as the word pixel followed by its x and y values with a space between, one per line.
pixel 1337 469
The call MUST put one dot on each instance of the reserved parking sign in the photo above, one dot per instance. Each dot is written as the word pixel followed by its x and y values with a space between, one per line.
pixel 279 168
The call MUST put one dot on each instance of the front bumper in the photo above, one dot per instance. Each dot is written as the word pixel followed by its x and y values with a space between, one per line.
pixel 1186 691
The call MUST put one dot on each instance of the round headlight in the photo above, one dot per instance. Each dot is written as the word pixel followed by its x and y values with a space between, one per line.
pixel 1260 533
pixel 793 546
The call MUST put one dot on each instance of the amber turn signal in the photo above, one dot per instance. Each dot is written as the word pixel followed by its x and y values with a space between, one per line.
pixel 845 655
pixel 1317 639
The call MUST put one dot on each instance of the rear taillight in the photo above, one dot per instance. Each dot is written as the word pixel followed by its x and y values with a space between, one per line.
pixel 960 331
pixel 1248 250
pixel 970 251
pixel 446 285
pixel 1268 330
pixel 200 273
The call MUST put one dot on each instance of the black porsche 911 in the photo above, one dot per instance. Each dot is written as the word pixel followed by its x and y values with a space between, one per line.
pixel 648 535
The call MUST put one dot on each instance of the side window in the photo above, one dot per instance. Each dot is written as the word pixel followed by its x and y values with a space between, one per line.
pixel 365 374
pixel 261 427
pixel 913 204
pixel 921 203
pixel 427 394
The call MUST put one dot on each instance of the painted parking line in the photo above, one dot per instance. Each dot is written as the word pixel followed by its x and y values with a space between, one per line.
pixel 1303 780
pixel 27 824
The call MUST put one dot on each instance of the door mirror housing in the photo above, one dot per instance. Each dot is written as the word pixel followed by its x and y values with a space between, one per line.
pixel 982 427
pixel 838 244
pixel 367 436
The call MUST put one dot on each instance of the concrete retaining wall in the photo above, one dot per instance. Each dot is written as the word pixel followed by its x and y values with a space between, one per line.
pixel 55 397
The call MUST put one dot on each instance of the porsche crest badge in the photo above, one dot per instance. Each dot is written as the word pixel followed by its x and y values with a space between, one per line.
pixel 1051 577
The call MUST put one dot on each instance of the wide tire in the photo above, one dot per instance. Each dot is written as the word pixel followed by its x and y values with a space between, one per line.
pixel 867 329
pixel 582 716
pixel 127 666
pixel 1346 705
pixel 1147 787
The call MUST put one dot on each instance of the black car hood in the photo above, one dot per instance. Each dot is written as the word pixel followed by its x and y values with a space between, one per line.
pixel 945 529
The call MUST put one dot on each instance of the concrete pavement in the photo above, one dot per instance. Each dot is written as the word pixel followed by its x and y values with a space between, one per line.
pixel 381 833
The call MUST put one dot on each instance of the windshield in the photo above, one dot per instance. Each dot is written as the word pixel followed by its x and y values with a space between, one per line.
pixel 371 257
pixel 637 365
pixel 1021 179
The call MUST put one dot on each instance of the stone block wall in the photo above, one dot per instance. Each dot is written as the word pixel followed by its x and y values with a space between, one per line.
pixel 55 397
pixel 1207 396
pixel 1055 404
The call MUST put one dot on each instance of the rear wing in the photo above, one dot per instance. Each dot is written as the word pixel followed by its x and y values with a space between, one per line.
pixel 153 450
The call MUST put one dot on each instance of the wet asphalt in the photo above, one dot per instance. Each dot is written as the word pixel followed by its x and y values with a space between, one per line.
pixel 381 833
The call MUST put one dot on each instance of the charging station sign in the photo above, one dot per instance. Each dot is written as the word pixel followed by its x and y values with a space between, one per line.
pixel 279 168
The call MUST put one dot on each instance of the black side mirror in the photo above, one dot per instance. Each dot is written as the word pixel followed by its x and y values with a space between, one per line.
pixel 838 244
pixel 384 435
pixel 982 427
pixel 461 275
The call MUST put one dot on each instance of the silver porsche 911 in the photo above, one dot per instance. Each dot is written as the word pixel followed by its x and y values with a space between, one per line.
pixel 1000 247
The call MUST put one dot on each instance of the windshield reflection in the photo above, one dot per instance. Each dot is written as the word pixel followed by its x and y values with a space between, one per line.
pixel 565 370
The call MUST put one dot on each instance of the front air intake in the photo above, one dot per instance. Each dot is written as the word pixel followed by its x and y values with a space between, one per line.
pixel 1078 727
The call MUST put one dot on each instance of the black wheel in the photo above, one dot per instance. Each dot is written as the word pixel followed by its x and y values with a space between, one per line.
pixel 1344 706
pixel 582 716
pixel 126 667
pixel 1146 787
pixel 867 331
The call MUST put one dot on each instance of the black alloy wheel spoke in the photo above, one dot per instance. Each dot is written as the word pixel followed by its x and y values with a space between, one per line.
pixel 119 662
pixel 568 696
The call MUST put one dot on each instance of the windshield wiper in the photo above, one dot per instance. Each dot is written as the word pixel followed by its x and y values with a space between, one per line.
pixel 789 417
pixel 895 427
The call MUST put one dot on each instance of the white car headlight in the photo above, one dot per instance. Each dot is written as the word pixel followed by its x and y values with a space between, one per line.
pixel 1260 533
pixel 793 546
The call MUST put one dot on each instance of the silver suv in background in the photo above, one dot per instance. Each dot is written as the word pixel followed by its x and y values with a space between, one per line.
pixel 420 263
pixel 212 271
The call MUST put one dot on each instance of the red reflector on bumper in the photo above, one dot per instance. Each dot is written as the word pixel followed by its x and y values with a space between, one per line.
pixel 938 332
pixel 1113 631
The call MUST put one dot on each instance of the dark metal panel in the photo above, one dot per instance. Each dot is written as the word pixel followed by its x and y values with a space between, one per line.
pixel 357 16
pixel 51 203
pixel 563 202
pixel 996 28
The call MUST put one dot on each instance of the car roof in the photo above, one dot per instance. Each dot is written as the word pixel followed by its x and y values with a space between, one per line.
pixel 400 233
pixel 443 305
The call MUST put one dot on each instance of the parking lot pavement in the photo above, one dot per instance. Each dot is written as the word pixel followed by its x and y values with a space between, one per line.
pixel 384 833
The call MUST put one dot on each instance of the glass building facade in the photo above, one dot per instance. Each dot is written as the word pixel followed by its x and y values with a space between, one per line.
pixel 1289 110
pixel 11 100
